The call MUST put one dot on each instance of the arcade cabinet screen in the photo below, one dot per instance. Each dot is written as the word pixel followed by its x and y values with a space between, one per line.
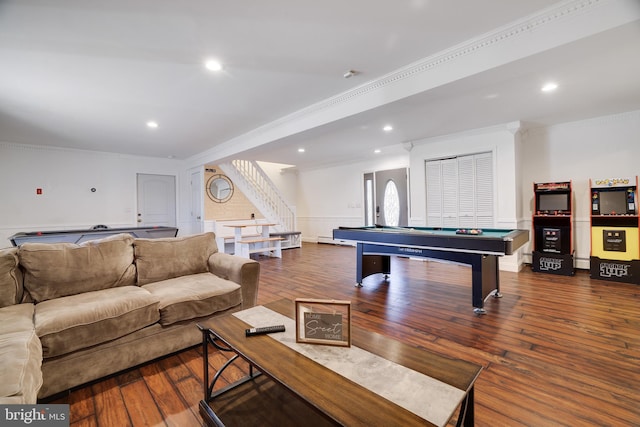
pixel 553 202
pixel 613 202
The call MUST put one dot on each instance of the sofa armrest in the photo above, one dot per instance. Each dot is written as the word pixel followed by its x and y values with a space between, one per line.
pixel 20 355
pixel 243 271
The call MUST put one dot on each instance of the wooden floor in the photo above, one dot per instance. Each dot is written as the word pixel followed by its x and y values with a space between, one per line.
pixel 556 350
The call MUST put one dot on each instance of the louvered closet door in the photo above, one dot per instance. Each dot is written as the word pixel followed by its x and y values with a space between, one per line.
pixel 433 174
pixel 484 190
pixel 450 193
pixel 466 192
pixel 460 192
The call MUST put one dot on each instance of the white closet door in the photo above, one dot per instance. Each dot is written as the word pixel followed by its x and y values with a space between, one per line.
pixel 484 190
pixel 460 192
pixel 450 193
pixel 466 192
pixel 433 171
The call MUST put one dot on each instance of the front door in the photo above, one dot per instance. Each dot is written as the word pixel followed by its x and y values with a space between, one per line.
pixel 386 197
pixel 156 200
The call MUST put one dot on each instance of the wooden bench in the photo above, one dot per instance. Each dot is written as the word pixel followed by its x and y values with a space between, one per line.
pixel 225 235
pixel 291 239
pixel 249 246
pixel 226 243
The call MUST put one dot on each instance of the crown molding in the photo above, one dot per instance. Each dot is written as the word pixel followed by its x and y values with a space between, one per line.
pixel 500 35
pixel 611 119
pixel 342 105
pixel 56 149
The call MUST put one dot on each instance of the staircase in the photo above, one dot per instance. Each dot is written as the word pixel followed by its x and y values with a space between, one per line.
pixel 249 178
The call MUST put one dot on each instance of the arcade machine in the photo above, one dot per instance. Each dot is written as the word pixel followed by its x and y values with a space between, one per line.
pixel 615 249
pixel 553 234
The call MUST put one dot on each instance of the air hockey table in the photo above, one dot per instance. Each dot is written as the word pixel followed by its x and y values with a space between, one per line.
pixel 98 232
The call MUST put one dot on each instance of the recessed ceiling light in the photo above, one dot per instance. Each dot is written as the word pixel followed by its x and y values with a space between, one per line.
pixel 152 125
pixel 377 151
pixel 300 150
pixel 387 128
pixel 549 87
pixel 213 65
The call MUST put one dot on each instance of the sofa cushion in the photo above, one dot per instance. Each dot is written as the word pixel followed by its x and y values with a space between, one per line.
pixel 17 318
pixel 192 296
pixel 10 277
pixel 54 270
pixel 79 321
pixel 166 258
pixel 20 367
pixel 20 356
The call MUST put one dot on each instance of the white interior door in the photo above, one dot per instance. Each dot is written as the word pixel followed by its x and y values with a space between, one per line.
pixel 197 223
pixel 156 200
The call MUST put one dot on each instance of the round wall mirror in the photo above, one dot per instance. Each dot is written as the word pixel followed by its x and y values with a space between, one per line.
pixel 219 188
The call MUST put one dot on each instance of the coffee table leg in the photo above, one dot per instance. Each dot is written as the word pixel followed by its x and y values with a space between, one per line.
pixel 209 337
pixel 205 363
pixel 210 418
pixel 466 417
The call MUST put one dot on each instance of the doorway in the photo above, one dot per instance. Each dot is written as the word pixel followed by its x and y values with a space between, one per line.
pixel 156 200
pixel 386 198
pixel 197 224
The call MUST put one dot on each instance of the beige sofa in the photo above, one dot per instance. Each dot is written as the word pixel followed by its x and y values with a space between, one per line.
pixel 70 314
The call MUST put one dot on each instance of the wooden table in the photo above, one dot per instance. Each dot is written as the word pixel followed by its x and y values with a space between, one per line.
pixel 293 385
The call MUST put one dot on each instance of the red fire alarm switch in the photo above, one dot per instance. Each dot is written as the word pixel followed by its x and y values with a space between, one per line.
pixel 38 191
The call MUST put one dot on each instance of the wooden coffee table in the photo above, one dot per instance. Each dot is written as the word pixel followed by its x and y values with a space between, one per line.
pixel 286 387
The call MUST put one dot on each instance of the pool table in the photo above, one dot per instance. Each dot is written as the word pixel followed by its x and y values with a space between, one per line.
pixel 98 232
pixel 375 245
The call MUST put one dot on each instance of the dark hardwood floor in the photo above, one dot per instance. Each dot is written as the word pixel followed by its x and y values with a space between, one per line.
pixel 556 350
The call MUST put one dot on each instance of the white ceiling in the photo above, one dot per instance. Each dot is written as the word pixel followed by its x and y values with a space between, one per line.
pixel 88 74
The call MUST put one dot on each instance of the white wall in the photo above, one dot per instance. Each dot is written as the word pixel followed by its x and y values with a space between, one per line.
pixel 333 197
pixel 499 140
pixel 597 148
pixel 284 177
pixel 66 177
pixel 604 147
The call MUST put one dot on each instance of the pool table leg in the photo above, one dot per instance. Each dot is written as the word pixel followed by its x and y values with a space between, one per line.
pixel 370 264
pixel 496 293
pixel 485 273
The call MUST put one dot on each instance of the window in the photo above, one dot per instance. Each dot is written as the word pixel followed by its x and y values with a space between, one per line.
pixel 391 204
pixel 369 200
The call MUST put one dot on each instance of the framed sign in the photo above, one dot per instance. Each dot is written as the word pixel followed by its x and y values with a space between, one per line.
pixel 321 321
